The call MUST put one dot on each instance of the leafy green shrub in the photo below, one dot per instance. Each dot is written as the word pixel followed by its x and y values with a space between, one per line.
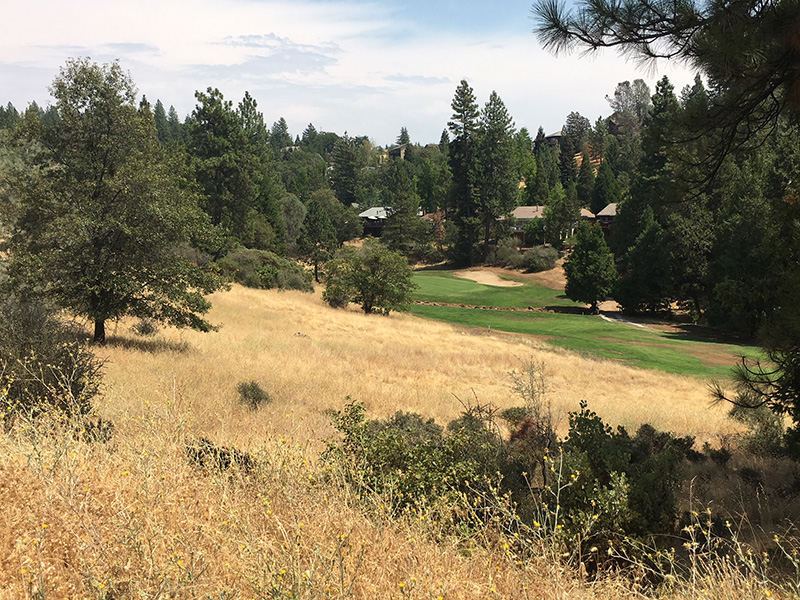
pixel 595 487
pixel 377 278
pixel 540 258
pixel 534 232
pixel 410 460
pixel 264 269
pixel 515 415
pixel 766 431
pixel 42 365
pixel 639 476
pixel 506 253
pixel 252 395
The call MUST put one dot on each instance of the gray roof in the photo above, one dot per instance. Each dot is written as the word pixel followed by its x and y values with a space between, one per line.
pixel 376 213
pixel 609 211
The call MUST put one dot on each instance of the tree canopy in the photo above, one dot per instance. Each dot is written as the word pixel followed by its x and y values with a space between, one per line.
pixel 100 214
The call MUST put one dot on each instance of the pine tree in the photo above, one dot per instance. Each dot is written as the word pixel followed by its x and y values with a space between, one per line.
pixel 497 178
pixel 344 173
pixel 317 240
pixel 606 189
pixel 403 138
pixel 162 125
pixel 590 267
pixel 585 180
pixel 279 137
pixel 404 229
pixel 463 127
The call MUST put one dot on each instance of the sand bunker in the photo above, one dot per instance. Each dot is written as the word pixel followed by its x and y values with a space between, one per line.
pixel 486 278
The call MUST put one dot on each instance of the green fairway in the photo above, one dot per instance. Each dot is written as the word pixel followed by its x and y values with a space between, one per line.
pixel 674 353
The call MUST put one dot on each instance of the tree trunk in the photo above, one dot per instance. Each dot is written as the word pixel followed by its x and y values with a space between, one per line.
pixel 487 226
pixel 100 331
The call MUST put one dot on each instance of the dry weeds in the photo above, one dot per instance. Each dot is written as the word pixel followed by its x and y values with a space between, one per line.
pixel 133 518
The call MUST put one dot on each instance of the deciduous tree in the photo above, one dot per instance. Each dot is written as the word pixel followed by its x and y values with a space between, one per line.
pixel 100 225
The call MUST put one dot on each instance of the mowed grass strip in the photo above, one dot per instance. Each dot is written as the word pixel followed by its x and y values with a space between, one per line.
pixel 581 333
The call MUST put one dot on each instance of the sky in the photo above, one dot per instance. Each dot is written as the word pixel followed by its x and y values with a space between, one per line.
pixel 356 66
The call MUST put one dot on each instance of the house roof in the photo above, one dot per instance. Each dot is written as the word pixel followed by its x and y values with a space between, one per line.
pixel 586 214
pixel 376 213
pixel 525 213
pixel 609 211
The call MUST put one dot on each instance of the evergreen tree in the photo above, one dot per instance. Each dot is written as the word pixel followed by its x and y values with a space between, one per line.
pixel 463 127
pixel 317 240
pixel 279 137
pixel 345 220
pixel 645 270
pixel 403 138
pixel 585 185
pixel 404 229
pixel 590 267
pixel 606 189
pixel 577 128
pixel 177 131
pixel 162 125
pixel 9 116
pixel 561 212
pixel 223 162
pixel 497 179
pixel 265 228
pixel 546 170
pixel 344 173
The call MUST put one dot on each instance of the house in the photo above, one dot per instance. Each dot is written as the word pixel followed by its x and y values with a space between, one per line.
pixel 525 214
pixel 374 219
pixel 398 151
pixel 606 216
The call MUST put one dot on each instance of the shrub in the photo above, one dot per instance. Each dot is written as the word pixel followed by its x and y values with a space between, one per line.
pixel 145 327
pixel 204 453
pixel 373 276
pixel 766 432
pixel 42 365
pixel 265 270
pixel 540 258
pixel 410 460
pixel 252 395
pixel 506 253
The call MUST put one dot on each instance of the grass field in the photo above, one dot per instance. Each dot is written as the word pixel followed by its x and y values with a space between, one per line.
pixel 133 518
pixel 673 352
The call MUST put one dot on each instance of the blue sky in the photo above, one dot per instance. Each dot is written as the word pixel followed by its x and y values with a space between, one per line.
pixel 365 67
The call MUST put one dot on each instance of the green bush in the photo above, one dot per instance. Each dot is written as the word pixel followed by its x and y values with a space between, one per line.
pixel 43 366
pixel 264 269
pixel 252 395
pixel 410 460
pixel 540 258
pixel 596 486
pixel 506 253
pixel 375 277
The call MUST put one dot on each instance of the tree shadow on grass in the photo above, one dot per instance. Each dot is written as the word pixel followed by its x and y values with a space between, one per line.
pixel 151 346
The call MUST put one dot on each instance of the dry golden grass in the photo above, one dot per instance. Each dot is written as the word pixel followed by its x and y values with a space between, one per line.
pixel 311 357
pixel 132 518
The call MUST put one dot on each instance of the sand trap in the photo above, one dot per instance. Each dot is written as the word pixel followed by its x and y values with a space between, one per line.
pixel 486 278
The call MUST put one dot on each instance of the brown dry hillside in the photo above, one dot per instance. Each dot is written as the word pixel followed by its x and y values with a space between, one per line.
pixel 132 518
pixel 311 357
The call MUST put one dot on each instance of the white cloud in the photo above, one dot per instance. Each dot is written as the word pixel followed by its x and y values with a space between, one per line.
pixel 342 65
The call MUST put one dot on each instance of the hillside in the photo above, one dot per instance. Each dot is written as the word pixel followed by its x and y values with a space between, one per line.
pixel 133 518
